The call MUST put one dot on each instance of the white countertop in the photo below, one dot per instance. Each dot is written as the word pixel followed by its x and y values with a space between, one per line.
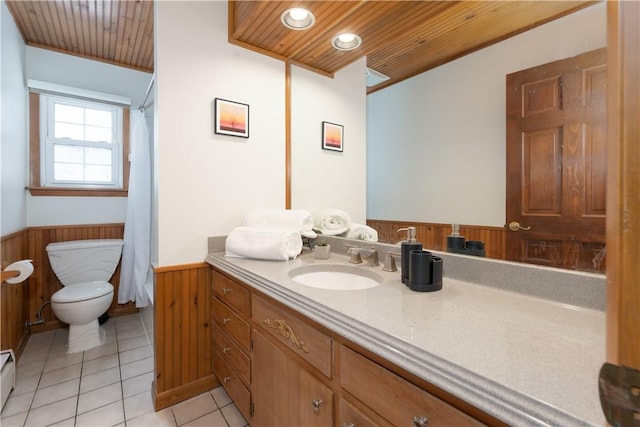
pixel 523 359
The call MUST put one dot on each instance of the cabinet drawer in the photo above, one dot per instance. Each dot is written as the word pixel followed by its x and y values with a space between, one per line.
pixel 232 293
pixel 232 324
pixel 350 416
pixel 232 354
pixel 371 383
pixel 310 344
pixel 232 385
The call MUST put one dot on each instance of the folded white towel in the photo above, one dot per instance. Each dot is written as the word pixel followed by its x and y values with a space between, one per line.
pixel 361 232
pixel 262 243
pixel 331 221
pixel 294 219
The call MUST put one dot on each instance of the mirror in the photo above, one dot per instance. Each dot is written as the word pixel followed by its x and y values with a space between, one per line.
pixel 436 142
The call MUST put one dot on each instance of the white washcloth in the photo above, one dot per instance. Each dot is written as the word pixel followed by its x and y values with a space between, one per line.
pixel 294 219
pixel 331 221
pixel 362 232
pixel 262 243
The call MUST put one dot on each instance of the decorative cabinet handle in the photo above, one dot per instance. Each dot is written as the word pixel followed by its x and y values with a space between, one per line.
pixel 226 291
pixel 420 421
pixel 316 404
pixel 226 379
pixel 344 424
pixel 226 320
pixel 281 327
pixel 226 350
pixel 515 226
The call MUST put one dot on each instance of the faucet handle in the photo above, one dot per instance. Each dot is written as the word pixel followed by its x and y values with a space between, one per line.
pixel 390 261
pixel 372 258
pixel 355 254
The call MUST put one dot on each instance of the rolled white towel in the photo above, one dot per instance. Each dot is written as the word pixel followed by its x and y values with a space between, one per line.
pixel 362 232
pixel 331 221
pixel 295 219
pixel 262 243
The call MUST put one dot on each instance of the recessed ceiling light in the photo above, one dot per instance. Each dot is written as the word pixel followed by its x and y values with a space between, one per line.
pixel 297 18
pixel 346 41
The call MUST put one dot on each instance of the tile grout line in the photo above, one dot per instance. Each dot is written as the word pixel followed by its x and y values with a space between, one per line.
pixel 124 413
pixel 24 423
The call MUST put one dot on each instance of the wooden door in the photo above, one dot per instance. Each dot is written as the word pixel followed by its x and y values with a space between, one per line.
pixel 556 163
pixel 283 393
pixel 623 228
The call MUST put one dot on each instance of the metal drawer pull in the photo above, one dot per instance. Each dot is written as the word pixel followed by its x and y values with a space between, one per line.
pixel 348 425
pixel 226 291
pixel 226 350
pixel 226 379
pixel 420 421
pixel 226 320
pixel 316 403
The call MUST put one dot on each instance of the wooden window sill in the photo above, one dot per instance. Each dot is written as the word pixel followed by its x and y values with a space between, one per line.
pixel 75 192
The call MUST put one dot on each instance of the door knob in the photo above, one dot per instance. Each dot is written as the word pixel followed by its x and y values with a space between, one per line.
pixel 515 226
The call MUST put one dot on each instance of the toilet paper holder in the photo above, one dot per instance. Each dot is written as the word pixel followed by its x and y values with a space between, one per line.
pixel 17 272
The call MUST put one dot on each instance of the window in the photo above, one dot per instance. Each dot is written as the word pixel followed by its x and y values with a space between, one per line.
pixel 77 146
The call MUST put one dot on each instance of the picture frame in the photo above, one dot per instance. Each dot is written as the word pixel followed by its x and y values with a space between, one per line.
pixel 231 118
pixel 332 136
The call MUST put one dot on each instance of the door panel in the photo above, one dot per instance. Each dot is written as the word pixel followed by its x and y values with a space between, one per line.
pixel 556 163
pixel 542 186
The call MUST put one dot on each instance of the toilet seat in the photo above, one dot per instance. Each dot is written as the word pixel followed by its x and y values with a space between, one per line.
pixel 82 292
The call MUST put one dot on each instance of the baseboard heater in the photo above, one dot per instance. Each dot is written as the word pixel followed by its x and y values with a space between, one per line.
pixel 8 374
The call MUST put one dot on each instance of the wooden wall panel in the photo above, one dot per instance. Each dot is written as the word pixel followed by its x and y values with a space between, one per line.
pixel 182 335
pixel 14 297
pixel 44 282
pixel 434 235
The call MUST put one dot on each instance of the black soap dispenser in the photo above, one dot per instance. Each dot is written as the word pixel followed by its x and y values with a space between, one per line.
pixel 411 244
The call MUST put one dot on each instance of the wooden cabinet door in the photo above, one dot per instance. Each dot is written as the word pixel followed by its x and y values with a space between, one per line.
pixel 556 163
pixel 283 393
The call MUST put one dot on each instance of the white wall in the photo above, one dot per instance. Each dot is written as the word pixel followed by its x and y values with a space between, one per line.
pixel 436 142
pixel 73 71
pixel 322 178
pixel 208 182
pixel 13 125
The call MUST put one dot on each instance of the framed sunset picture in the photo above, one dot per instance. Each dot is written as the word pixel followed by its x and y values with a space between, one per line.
pixel 231 118
pixel 332 136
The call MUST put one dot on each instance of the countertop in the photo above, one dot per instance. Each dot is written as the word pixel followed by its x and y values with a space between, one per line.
pixel 526 360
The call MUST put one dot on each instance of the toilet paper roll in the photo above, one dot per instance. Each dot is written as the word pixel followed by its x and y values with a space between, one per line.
pixel 24 267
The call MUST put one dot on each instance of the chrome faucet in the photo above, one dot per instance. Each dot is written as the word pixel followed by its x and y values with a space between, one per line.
pixel 370 255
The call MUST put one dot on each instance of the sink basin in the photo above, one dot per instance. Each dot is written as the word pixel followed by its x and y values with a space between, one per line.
pixel 335 277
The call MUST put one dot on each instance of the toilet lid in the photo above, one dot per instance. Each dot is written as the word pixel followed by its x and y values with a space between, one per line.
pixel 82 292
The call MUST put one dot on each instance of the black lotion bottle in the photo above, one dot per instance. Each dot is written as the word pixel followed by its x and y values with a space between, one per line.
pixel 411 244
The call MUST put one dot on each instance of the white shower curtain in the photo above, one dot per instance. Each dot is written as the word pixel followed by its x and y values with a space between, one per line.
pixel 137 228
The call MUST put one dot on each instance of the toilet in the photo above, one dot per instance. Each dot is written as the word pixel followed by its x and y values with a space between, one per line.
pixel 84 268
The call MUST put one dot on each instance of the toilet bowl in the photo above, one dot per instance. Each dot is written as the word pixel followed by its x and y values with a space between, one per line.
pixel 83 267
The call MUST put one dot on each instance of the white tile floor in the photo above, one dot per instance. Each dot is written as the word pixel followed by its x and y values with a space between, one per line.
pixel 109 385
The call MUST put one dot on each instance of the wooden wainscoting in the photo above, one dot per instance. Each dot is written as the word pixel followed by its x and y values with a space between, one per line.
pixel 44 283
pixel 434 236
pixel 15 298
pixel 182 333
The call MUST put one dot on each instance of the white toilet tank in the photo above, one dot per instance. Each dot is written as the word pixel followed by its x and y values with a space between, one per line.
pixel 79 261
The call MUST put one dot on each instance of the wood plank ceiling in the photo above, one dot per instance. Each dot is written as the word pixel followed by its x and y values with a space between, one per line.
pixel 400 38
pixel 118 32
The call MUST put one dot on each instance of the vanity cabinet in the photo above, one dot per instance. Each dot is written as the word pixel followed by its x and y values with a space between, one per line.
pixel 285 393
pixel 282 370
